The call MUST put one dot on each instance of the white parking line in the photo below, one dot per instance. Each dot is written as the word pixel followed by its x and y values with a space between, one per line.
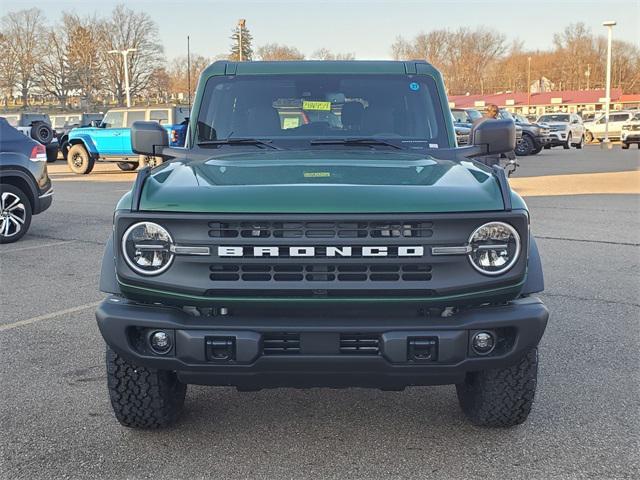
pixel 48 316
pixel 20 249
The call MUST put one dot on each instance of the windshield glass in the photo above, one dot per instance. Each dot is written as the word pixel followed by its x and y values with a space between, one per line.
pixel 554 118
pixel 460 116
pixel 304 107
pixel 13 120
pixel 474 114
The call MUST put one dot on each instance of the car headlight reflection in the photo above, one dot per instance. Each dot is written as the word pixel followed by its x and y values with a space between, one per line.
pixel 147 248
pixel 495 248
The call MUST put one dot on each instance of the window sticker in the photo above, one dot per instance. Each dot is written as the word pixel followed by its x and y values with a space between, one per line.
pixel 313 105
pixel 415 86
pixel 291 122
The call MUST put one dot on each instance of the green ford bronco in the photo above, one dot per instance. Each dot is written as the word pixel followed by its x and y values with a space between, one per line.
pixel 321 228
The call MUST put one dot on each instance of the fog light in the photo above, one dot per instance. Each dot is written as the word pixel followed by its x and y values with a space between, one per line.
pixel 160 342
pixel 483 343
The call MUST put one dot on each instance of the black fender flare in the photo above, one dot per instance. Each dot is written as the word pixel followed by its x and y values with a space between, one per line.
pixel 535 278
pixel 108 279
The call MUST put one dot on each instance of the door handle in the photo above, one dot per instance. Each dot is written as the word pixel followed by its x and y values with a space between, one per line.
pixel 116 134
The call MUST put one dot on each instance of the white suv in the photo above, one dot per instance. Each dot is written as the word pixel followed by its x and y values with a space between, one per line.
pixel 565 129
pixel 631 132
pixel 595 129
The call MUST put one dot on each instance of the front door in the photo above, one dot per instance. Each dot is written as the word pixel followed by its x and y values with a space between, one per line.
pixel 108 139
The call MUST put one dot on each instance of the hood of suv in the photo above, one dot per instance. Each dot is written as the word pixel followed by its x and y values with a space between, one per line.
pixel 323 181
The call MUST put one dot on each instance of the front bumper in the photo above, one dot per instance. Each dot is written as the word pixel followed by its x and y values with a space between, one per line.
pixel 632 136
pixel 322 346
pixel 558 137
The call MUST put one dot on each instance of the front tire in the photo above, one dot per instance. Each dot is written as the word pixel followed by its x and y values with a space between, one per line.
pixel 501 397
pixel 588 136
pixel 525 146
pixel 79 160
pixel 143 397
pixel 581 143
pixel 567 144
pixel 149 161
pixel 15 213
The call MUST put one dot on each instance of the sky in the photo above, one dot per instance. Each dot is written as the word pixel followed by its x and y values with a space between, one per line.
pixel 365 28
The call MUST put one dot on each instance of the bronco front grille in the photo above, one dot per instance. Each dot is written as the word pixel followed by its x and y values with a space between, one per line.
pixel 359 344
pixel 230 272
pixel 281 344
pixel 355 229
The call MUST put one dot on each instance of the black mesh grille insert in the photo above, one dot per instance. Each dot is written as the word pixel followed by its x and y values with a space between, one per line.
pixel 320 273
pixel 359 344
pixel 355 229
pixel 281 344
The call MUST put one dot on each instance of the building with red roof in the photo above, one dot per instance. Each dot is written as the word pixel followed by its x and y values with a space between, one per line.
pixel 572 101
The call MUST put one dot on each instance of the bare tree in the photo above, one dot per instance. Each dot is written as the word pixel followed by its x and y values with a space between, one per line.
pixel 23 31
pixel 326 54
pixel 85 54
pixel 179 81
pixel 275 51
pixel 8 69
pixel 54 71
pixel 129 29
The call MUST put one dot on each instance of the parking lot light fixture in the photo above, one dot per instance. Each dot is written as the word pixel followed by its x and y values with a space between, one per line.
pixel 609 24
pixel 124 54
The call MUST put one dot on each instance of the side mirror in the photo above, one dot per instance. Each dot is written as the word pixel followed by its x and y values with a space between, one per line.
pixel 148 138
pixel 495 136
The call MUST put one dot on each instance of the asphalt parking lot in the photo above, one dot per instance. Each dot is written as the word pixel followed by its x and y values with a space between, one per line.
pixel 56 420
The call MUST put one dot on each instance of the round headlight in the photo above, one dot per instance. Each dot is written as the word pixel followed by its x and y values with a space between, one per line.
pixel 495 248
pixel 146 247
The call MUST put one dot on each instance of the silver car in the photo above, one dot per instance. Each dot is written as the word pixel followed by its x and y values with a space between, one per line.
pixel 565 129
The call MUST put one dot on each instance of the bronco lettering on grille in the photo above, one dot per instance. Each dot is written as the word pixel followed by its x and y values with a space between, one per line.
pixel 364 251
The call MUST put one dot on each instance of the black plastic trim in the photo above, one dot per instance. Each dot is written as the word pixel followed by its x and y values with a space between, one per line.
pixel 136 191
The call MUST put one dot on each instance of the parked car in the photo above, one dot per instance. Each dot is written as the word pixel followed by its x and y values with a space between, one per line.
pixel 465 116
pixel 111 140
pixel 25 187
pixel 63 123
pixel 631 132
pixel 565 129
pixel 595 130
pixel 268 255
pixel 534 136
pixel 38 127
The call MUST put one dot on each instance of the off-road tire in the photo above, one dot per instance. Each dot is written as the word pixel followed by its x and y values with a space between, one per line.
pixel 525 146
pixel 150 161
pixel 79 160
pixel 143 397
pixel 22 212
pixel 536 150
pixel 41 133
pixel 501 397
pixel 127 166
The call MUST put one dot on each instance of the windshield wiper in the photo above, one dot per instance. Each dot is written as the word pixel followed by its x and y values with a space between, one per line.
pixel 239 141
pixel 367 141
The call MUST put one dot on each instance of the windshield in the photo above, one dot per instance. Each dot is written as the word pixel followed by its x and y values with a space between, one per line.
pixel 301 108
pixel 554 118
pixel 12 120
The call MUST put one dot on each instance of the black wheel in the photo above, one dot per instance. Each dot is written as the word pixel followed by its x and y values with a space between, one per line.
pixel 143 397
pixel 148 161
pixel 501 397
pixel 41 132
pixel 536 150
pixel 588 136
pixel 79 160
pixel 581 143
pixel 127 166
pixel 625 146
pixel 15 213
pixel 567 145
pixel 525 146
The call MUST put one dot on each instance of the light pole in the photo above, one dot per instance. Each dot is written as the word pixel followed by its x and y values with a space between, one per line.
pixel 609 24
pixel 124 54
pixel 241 23
pixel 528 85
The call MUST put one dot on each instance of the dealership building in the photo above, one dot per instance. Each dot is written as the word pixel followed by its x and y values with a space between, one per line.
pixel 566 101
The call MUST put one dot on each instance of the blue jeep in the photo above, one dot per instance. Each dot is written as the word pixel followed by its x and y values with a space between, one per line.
pixel 110 141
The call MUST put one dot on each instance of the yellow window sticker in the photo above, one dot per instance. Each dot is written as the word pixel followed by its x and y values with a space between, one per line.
pixel 291 122
pixel 312 105
pixel 316 174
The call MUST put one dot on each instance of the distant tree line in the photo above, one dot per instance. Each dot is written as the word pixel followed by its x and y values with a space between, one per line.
pixel 482 61
pixel 70 61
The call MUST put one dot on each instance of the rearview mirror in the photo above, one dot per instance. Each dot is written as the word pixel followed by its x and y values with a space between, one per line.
pixel 148 138
pixel 494 136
